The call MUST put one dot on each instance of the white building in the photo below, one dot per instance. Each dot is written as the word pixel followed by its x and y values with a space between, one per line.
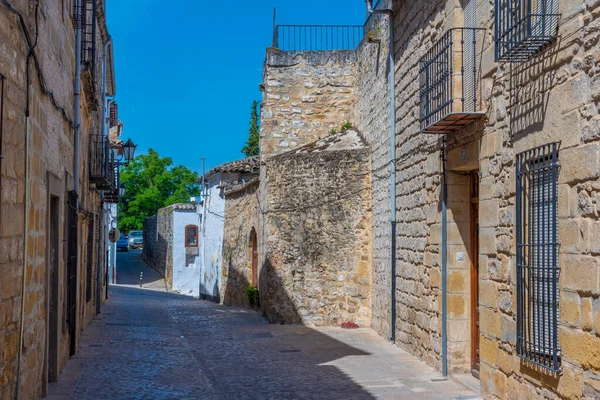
pixel 213 218
pixel 172 247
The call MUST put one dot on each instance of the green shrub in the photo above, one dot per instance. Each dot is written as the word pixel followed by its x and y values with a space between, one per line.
pixel 253 296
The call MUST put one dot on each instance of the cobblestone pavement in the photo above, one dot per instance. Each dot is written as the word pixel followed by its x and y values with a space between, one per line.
pixel 129 267
pixel 150 344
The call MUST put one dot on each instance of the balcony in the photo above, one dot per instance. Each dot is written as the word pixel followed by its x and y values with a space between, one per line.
pixel 101 162
pixel 111 195
pixel 449 82
pixel 524 27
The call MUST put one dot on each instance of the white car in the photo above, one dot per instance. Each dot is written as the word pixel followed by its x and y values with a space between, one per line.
pixel 136 240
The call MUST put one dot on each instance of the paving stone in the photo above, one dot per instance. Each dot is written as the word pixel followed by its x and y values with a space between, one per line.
pixel 150 344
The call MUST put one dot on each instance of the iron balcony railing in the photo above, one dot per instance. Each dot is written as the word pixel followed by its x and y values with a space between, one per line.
pixel 524 27
pixel 317 37
pixel 112 195
pixel 449 81
pixel 101 161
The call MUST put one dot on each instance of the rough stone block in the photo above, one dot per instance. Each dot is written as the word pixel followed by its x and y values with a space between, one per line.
pixel 487 241
pixel 488 294
pixel 457 282
pixel 587 322
pixel 580 347
pixel 488 350
pixel 595 237
pixel 580 163
pixel 489 321
pixel 570 308
pixel 456 305
pixel 508 328
pixel 569 235
pixel 488 213
pixel 580 273
pixel 570 383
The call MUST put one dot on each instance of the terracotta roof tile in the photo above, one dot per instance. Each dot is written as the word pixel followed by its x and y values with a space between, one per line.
pixel 246 165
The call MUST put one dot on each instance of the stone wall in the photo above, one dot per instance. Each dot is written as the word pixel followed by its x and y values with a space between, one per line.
pixel 242 215
pixel 317 260
pixel 158 243
pixel 305 96
pixel 553 97
pixel 373 120
pixel 49 175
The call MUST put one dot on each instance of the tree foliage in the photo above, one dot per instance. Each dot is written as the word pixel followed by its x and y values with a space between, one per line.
pixel 152 182
pixel 252 147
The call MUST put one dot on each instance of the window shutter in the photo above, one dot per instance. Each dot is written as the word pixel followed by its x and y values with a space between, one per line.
pixel 114 114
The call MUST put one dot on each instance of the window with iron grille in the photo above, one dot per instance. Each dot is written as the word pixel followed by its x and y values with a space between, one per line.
pixel 449 81
pixel 85 18
pixel 537 256
pixel 90 260
pixel 524 27
pixel 72 269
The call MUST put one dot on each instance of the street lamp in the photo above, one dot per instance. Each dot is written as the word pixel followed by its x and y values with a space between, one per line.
pixel 122 190
pixel 129 150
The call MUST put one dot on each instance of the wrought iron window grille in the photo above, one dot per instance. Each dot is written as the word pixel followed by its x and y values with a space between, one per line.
pixel 537 256
pixel 84 17
pixel 524 27
pixel 90 260
pixel 88 33
pixel 449 81
pixel 72 220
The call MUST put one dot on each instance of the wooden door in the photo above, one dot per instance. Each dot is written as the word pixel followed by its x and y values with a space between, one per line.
pixel 475 273
pixel 254 255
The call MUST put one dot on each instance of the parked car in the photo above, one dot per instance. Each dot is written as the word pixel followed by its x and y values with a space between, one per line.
pixel 123 243
pixel 136 239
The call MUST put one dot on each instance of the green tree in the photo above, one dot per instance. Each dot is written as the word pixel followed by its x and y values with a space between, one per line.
pixel 252 147
pixel 152 182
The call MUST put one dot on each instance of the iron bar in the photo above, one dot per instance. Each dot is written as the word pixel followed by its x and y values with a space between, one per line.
pixel 445 68
pixel 523 28
pixel 100 171
pixel 537 256
pixel 317 37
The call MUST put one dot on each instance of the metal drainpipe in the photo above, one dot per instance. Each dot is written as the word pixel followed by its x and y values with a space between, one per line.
pixel 77 97
pixel 101 232
pixel 201 295
pixel 25 252
pixel 99 261
pixel 444 259
pixel 392 90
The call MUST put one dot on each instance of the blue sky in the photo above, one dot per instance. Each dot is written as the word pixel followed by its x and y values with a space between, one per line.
pixel 187 73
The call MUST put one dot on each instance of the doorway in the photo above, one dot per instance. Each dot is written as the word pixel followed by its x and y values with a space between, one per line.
pixel 475 273
pixel 53 279
pixel 254 255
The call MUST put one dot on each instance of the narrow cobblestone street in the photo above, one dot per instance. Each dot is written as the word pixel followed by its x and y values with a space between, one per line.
pixel 150 344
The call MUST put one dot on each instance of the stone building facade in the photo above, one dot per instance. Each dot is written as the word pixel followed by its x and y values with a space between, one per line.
pixel 53 276
pixel 304 240
pixel 241 242
pixel 541 109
